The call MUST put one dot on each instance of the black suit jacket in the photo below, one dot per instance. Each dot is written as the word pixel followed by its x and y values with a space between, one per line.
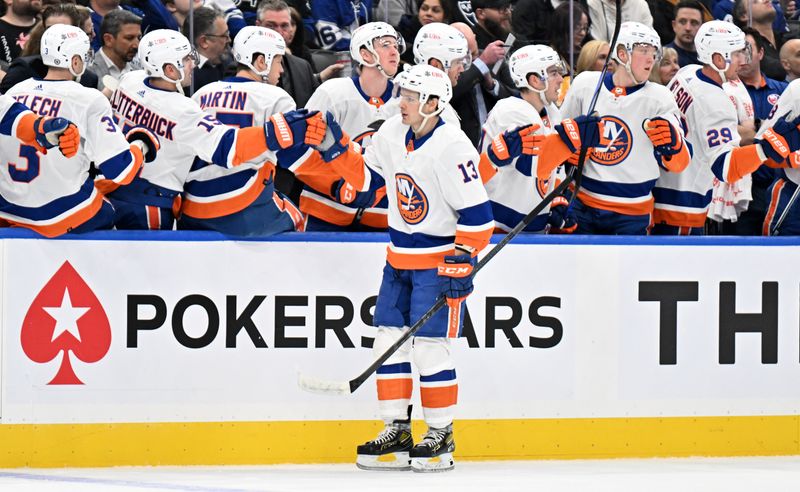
pixel 205 75
pixel 298 79
pixel 25 67
pixel 466 104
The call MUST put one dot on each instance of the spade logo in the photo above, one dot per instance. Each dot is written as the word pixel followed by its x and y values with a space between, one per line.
pixel 65 317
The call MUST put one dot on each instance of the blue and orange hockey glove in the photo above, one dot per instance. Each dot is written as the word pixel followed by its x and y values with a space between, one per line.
pixel 665 137
pixel 511 144
pixel 336 141
pixel 284 130
pixel 456 274
pixel 561 218
pixel 52 132
pixel 583 131
pixel 780 140
pixel 343 192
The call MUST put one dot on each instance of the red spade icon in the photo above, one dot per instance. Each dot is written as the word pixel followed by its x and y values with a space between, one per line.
pixel 66 316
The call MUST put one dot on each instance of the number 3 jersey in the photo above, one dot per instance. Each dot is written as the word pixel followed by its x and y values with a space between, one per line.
pixel 435 194
pixel 711 120
pixel 51 193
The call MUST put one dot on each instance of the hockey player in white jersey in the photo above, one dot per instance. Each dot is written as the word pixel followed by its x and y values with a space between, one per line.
pixel 712 121
pixel 641 134
pixel 358 104
pixel 152 98
pixel 783 209
pixel 439 220
pixel 53 194
pixel 516 188
pixel 242 201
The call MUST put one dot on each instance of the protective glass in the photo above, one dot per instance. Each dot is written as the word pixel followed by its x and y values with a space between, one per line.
pixel 648 50
pixel 388 41
pixel 747 53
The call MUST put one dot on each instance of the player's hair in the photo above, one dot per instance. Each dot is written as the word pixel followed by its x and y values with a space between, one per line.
pixel 690 4
pixel 271 6
pixel 114 20
pixel 204 18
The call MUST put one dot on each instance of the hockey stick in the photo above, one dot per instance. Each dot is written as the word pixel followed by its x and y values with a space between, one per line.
pixel 789 205
pixel 578 171
pixel 315 385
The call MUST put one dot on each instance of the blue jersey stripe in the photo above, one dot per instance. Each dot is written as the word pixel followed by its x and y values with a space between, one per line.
pixel 418 239
pixel 682 198
pixel 51 209
pixel 7 123
pixel 510 218
pixel 446 375
pixel 622 190
pixel 399 368
pixel 476 215
pixel 116 165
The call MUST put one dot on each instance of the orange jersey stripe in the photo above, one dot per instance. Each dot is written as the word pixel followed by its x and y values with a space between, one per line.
pixel 64 225
pixel 474 239
pixel 251 142
pixel 394 389
pixel 221 208
pixel 153 217
pixel 773 206
pixel 325 212
pixel 424 261
pixel 640 208
pixel 679 219
pixel 486 169
pixel 439 397
pixel 25 131
pixel 553 153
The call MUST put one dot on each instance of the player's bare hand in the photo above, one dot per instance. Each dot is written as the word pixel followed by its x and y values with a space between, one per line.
pixel 331 71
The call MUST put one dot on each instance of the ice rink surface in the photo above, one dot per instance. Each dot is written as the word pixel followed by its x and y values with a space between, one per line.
pixel 651 475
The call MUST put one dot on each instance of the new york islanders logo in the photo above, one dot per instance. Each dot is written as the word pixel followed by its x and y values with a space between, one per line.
pixel 615 142
pixel 65 317
pixel 411 200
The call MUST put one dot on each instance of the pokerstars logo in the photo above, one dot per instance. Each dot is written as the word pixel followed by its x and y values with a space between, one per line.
pixel 411 200
pixel 615 142
pixel 65 318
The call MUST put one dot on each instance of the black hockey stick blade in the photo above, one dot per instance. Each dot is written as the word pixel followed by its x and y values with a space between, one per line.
pixel 327 387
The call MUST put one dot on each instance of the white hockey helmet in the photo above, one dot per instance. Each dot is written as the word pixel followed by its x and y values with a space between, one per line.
pixel 720 37
pixel 364 36
pixel 633 33
pixel 60 43
pixel 255 40
pixel 164 47
pixel 442 42
pixel 536 59
pixel 427 81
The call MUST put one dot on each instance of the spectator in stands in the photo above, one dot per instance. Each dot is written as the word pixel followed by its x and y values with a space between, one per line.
pixel 667 67
pixel 61 13
pixel 760 14
pixel 120 33
pixel 212 40
pixel 27 66
pixel 688 19
pixel 297 34
pixel 531 22
pixel 723 10
pixel 298 78
pixel 593 55
pixel 603 15
pixel 392 11
pixel 180 11
pixel 15 25
pixel 335 20
pixel 764 92
pixel 493 19
pixel 427 11
pixel 790 59
pixel 477 91
pixel 561 40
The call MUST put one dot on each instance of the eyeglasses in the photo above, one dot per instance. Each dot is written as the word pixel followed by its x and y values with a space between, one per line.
pixel 226 35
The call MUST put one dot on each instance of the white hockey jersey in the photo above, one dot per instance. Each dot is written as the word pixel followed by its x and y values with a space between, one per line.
pixel 711 122
pixel 215 191
pixel 52 193
pixel 435 194
pixel 11 113
pixel 622 170
pixel 515 190
pixel 184 130
pixel 789 102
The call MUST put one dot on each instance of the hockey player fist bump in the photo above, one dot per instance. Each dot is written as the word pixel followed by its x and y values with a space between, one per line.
pixel 336 141
pixel 780 140
pixel 511 144
pixel 284 130
pixel 51 132
pixel 583 131
pixel 146 140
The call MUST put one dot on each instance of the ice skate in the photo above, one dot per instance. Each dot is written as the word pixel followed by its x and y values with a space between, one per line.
pixel 435 452
pixel 389 451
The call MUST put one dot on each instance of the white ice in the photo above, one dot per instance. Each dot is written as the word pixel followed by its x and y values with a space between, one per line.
pixel 651 475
